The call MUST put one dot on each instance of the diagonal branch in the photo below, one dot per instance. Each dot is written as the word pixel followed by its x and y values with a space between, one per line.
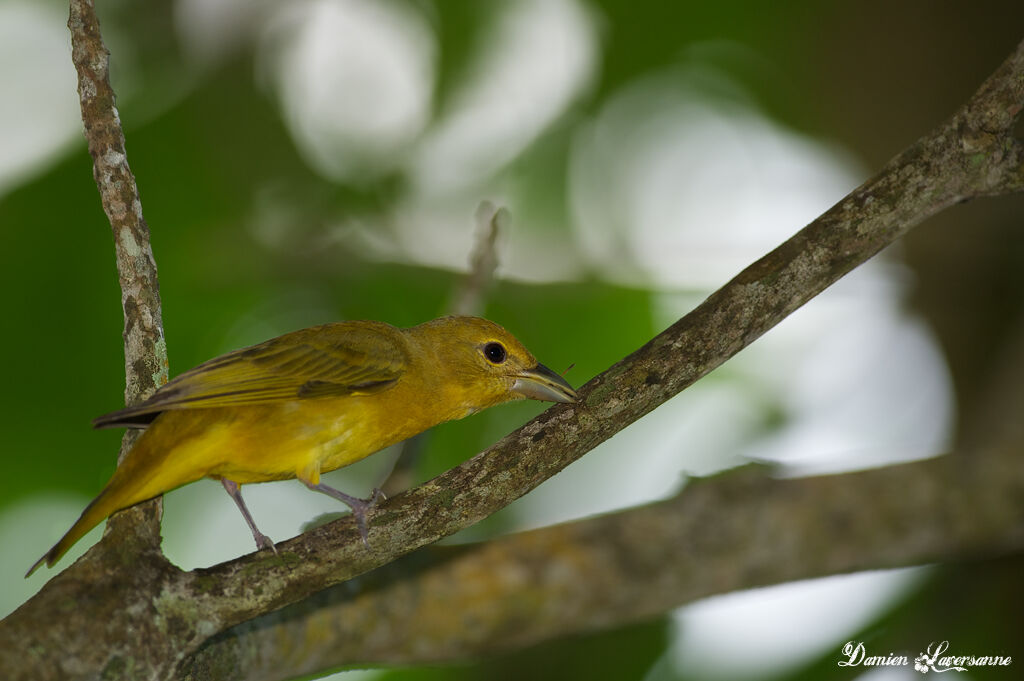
pixel 967 157
pixel 737 530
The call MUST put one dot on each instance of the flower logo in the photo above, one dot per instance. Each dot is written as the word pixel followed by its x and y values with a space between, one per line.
pixel 926 661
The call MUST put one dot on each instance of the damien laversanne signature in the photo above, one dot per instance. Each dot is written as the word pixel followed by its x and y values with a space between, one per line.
pixel 934 659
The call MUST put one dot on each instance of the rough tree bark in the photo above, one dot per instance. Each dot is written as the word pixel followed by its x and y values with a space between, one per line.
pixel 735 531
pixel 145 350
pixel 122 611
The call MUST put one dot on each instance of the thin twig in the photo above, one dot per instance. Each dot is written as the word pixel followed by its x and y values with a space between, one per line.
pixel 470 297
pixel 467 299
pixel 145 351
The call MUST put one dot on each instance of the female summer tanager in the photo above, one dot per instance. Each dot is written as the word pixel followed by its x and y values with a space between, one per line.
pixel 309 402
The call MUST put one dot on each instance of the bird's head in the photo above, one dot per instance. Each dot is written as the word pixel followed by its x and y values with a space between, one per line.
pixel 483 364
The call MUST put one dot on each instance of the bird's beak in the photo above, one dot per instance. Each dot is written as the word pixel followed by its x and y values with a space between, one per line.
pixel 541 383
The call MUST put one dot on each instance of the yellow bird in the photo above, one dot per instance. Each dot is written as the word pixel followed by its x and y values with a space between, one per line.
pixel 309 402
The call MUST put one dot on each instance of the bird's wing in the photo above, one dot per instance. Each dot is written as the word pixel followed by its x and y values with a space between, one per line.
pixel 354 358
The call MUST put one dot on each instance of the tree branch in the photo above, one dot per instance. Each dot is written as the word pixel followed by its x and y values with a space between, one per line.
pixel 145 351
pixel 737 530
pixel 141 618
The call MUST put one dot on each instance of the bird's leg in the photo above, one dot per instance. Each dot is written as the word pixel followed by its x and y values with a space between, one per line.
pixel 262 540
pixel 359 506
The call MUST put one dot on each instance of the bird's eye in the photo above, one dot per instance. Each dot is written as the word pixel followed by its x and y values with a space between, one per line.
pixel 495 353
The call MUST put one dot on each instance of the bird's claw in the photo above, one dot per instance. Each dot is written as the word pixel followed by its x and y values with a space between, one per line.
pixel 359 506
pixel 264 542
pixel 360 509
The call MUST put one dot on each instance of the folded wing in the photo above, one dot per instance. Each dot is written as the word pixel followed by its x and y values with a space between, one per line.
pixel 346 358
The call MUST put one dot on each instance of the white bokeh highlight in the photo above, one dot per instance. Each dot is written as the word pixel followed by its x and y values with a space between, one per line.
pixel 539 57
pixel 860 381
pixel 42 121
pixel 766 632
pixel 675 185
pixel 354 80
pixel 536 59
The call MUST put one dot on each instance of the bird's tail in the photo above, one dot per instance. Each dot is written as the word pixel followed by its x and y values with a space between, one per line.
pixel 106 503
pixel 135 480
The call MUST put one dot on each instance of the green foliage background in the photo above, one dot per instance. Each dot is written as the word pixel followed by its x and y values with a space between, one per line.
pixel 868 75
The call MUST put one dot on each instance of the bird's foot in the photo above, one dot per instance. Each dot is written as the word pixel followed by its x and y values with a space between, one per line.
pixel 263 542
pixel 359 507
